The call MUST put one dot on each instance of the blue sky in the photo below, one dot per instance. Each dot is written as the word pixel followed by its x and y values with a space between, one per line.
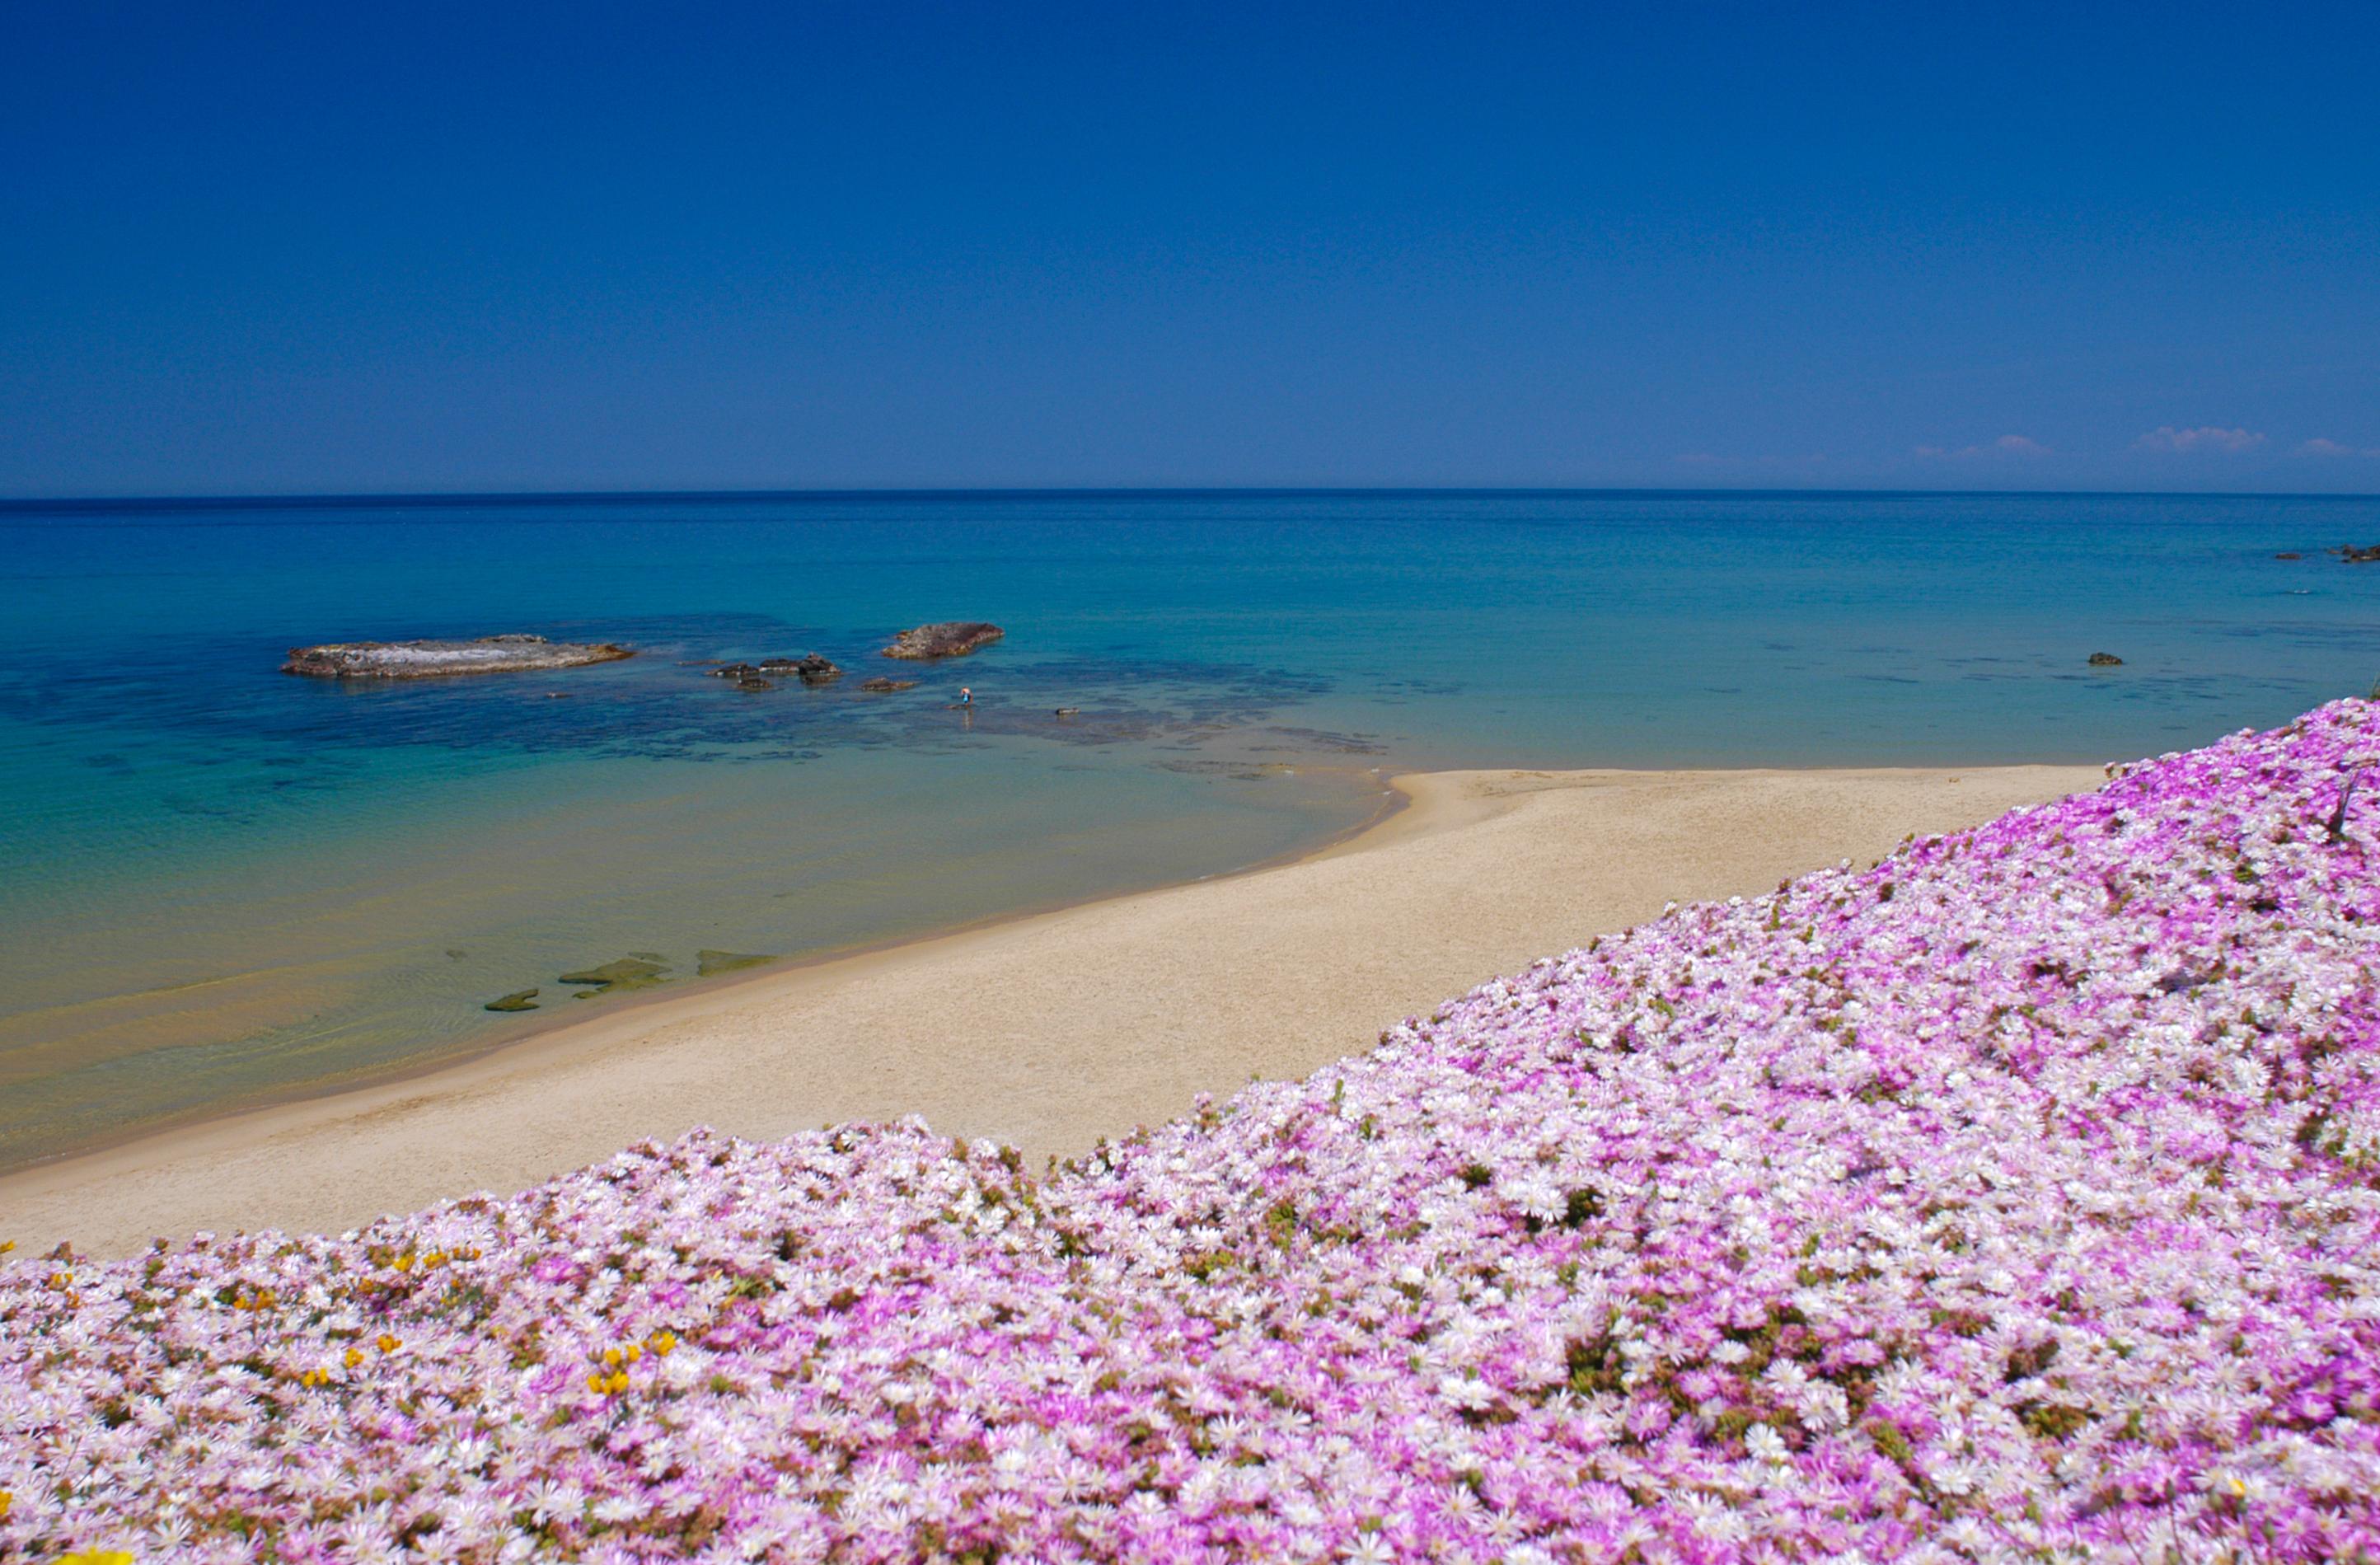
pixel 330 249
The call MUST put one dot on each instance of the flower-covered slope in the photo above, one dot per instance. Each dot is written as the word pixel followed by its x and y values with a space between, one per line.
pixel 2013 1200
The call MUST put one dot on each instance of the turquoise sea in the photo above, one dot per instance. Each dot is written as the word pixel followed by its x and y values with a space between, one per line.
pixel 220 884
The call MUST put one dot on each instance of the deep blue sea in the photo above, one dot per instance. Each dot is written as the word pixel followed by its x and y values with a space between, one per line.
pixel 221 884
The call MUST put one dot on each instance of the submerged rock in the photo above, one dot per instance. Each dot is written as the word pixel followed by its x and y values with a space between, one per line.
pixel 431 659
pixel 2354 555
pixel 707 963
pixel 627 973
pixel 2288 554
pixel 882 685
pixel 519 1000
pixel 2106 660
pixel 945 639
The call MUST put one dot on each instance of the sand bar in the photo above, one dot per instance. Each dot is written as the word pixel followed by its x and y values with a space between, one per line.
pixel 1047 1032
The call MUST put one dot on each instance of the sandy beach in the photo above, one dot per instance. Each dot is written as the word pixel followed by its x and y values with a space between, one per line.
pixel 1047 1032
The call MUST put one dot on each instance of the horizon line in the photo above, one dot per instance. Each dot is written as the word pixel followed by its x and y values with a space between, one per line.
pixel 394 499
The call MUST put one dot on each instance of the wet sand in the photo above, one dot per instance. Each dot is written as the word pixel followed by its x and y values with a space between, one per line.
pixel 1047 1032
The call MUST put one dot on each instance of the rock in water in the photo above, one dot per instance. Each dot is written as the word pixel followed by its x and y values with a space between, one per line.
pixel 2106 660
pixel 810 668
pixel 2358 555
pixel 520 1000
pixel 628 973
pixel 707 963
pixel 881 685
pixel 949 638
pixel 431 659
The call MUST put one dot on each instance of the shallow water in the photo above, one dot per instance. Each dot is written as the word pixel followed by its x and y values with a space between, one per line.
pixel 219 884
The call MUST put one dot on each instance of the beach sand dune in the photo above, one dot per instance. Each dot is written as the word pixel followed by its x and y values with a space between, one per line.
pixel 1046 1031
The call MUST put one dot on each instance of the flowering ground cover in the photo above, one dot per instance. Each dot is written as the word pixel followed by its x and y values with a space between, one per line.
pixel 2014 1199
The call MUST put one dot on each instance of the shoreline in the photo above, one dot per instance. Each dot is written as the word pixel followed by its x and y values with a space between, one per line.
pixel 1043 1029
pixel 525 1029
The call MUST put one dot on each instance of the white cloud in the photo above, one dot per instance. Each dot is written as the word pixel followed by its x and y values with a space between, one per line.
pixel 2007 445
pixel 2207 437
pixel 2321 447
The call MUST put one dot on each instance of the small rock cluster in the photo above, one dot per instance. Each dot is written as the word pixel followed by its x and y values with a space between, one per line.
pixel 638 970
pixel 810 669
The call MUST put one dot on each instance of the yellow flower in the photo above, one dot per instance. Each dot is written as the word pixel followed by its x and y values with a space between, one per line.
pixel 619 1381
pixel 595 1383
pixel 355 1357
pixel 612 1357
pixel 6 1245
pixel 98 1556
pixel 632 1353
pixel 663 1342
pixel 389 1344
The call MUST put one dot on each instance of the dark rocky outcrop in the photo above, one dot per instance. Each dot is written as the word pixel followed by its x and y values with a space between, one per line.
pixel 810 669
pixel 520 1000
pixel 432 660
pixel 2288 554
pixel 2354 555
pixel 881 685
pixel 947 639
pixel 2106 660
